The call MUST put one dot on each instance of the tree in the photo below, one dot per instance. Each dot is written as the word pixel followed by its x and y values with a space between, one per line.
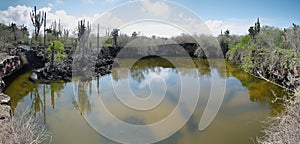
pixel 24 31
pixel 13 27
pixel 115 35
pixel 37 20
pixel 4 30
pixel 224 41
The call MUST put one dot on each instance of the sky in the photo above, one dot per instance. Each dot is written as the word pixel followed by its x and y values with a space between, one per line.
pixel 161 18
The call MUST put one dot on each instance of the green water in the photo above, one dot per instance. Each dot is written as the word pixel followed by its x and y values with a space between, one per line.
pixel 63 107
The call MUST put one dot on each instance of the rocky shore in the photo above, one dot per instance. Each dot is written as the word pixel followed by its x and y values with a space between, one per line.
pixel 5 112
pixel 17 129
pixel 10 62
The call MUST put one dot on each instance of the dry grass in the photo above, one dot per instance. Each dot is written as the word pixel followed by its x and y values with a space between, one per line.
pixel 24 128
pixel 284 128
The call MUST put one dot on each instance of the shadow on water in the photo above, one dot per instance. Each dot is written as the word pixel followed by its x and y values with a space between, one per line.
pixel 259 90
pixel 247 101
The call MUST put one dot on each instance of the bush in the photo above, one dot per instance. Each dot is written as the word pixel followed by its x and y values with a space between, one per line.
pixel 59 51
pixel 24 129
pixel 284 128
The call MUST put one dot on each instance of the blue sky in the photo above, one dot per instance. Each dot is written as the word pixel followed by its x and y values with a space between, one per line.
pixel 236 15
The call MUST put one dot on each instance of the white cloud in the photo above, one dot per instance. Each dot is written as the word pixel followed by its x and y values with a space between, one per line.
pixel 18 15
pixel 67 21
pixel 155 8
pixel 155 75
pixel 152 28
pixel 214 27
pixel 108 20
pixel 50 4
pixel 235 26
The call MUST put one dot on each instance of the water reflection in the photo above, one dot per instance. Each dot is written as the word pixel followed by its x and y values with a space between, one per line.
pixel 247 101
pixel 84 90
pixel 258 90
pixel 35 93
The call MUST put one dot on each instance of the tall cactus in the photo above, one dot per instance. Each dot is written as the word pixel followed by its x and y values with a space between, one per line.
pixel 56 29
pixel 83 34
pixel 37 20
pixel 45 47
pixel 83 31
pixel 81 28
pixel 257 26
pixel 52 55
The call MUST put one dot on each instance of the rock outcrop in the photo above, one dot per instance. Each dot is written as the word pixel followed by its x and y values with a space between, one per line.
pixel 5 111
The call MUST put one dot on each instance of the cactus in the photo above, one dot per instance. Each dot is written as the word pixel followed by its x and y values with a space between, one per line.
pixel 37 20
pixel 83 34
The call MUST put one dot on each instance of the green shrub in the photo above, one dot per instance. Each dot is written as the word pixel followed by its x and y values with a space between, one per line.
pixel 59 51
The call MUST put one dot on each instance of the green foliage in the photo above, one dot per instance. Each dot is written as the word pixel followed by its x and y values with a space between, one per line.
pixel 58 50
pixel 108 42
pixel 242 44
pixel 273 53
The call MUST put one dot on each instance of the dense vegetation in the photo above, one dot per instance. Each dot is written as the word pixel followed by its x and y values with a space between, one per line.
pixel 271 53
pixel 13 35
